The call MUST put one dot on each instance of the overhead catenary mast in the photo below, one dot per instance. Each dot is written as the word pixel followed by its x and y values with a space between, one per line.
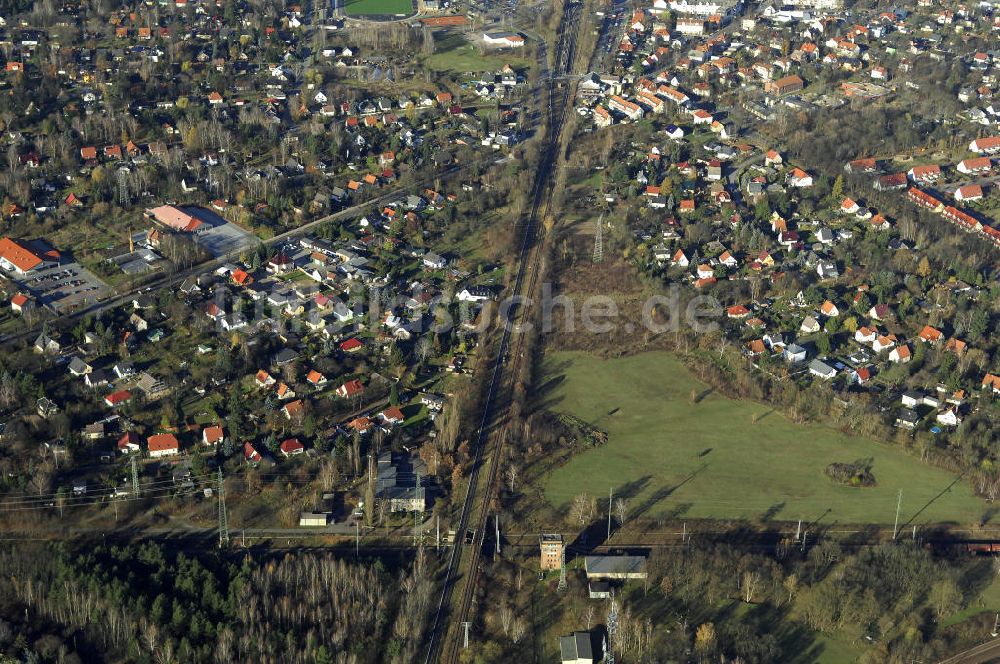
pixel 223 517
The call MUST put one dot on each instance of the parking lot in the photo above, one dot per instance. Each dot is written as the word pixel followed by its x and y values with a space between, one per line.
pixel 64 287
pixel 611 30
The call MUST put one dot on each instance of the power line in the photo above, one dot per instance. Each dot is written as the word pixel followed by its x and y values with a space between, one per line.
pixel 147 485
pixel 135 477
pixel 599 241
pixel 164 492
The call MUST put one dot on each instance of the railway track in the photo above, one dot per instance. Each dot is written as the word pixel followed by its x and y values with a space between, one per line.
pixel 463 567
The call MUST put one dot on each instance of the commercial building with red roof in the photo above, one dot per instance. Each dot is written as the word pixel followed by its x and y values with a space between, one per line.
pixel 16 257
pixel 174 218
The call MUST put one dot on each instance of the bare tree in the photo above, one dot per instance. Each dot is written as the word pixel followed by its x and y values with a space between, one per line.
pixel 424 348
pixel 621 511
pixel 580 510
pixel 506 618
pixel 518 629
pixel 329 473
pixel 511 475
pixel 751 581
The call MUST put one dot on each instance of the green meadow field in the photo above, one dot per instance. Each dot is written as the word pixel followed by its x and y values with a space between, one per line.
pixel 377 7
pixel 709 459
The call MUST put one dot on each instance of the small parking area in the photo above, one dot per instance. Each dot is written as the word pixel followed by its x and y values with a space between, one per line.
pixel 64 287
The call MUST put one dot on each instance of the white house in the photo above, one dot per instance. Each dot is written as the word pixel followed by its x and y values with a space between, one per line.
pixel 822 369
pixel 163 444
pixel 968 193
pixel 809 325
pixel 795 353
pixel 799 178
pixel 900 354
pixel 433 261
pixel 949 417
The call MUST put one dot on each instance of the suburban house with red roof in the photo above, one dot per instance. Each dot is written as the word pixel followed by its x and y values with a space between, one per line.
pixel 392 415
pixel 128 443
pixel 930 335
pixel 116 399
pixel 737 311
pixel 799 178
pixel 900 354
pixel 360 424
pixel 315 378
pixel 163 444
pixel 291 447
pixel 351 388
pixel 352 345
pixel 293 409
pixel 988 145
pixel 928 174
pixel 250 454
pixel 264 379
pixel 969 193
pixel 991 381
pixel 19 303
pixel 975 166
pixel 241 277
pixel 213 435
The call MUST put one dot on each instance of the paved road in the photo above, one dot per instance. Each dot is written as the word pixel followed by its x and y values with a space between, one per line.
pixel 176 278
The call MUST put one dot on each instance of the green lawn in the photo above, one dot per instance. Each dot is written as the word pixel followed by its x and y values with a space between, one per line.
pixel 453 53
pixel 378 7
pixel 836 649
pixel 709 460
pixel 988 601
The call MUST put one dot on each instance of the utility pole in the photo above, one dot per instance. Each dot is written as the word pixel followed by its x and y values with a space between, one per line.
pixel 611 493
pixel 135 477
pixel 357 539
pixel 562 569
pixel 223 517
pixel 609 652
pixel 122 187
pixel 996 627
pixel 895 525
pixel 465 641
pixel 417 534
pixel 798 531
pixel 496 522
pixel 437 533
pixel 599 241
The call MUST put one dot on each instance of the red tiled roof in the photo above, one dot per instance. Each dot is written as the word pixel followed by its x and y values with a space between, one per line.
pixel 351 344
pixel 162 441
pixel 115 398
pixel 18 255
